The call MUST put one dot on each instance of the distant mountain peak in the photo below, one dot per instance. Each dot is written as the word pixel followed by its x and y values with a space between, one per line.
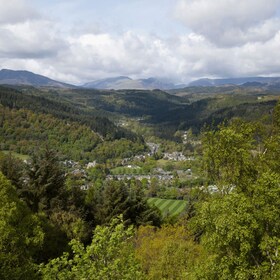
pixel 24 77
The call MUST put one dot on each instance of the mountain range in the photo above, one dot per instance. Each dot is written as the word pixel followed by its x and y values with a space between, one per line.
pixel 20 77
pixel 123 82
pixel 246 81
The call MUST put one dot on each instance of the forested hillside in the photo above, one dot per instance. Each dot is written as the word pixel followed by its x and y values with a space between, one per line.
pixel 22 131
pixel 39 102
pixel 29 120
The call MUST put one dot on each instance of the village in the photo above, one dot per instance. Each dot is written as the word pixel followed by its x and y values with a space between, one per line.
pixel 132 168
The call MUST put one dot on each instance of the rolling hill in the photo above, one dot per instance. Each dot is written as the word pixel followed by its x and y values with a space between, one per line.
pixel 20 77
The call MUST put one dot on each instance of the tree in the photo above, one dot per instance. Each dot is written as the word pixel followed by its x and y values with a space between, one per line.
pixel 243 232
pixel 20 235
pixel 11 168
pixel 240 227
pixel 109 256
pixel 140 213
pixel 124 198
pixel 43 189
pixel 168 252
pixel 271 147
pixel 228 160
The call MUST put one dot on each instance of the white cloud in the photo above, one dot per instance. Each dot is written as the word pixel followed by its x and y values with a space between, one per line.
pixel 30 39
pixel 25 33
pixel 230 22
pixel 14 11
pixel 128 54
pixel 94 56
pixel 241 40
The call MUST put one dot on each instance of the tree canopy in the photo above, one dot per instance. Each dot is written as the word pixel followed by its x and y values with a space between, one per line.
pixel 20 235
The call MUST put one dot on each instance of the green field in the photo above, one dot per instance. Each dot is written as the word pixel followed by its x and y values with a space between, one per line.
pixel 127 171
pixel 16 155
pixel 168 207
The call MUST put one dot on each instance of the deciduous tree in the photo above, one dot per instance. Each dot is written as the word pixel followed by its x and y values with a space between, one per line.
pixel 20 235
pixel 109 256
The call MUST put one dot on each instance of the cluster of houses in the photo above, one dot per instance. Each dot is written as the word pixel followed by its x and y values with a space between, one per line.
pixel 158 173
pixel 160 177
pixel 175 156
pixel 153 148
pixel 135 158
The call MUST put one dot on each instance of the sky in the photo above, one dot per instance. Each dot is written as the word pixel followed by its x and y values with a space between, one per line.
pixel 179 40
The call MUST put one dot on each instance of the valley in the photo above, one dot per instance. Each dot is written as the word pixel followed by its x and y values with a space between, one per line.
pixel 80 158
pixel 150 136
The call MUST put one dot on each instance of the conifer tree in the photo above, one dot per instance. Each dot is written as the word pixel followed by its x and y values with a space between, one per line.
pixel 44 183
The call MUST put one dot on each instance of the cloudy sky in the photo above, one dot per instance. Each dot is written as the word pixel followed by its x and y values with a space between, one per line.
pixel 80 41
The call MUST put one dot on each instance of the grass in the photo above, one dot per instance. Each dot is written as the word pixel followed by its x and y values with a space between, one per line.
pixel 16 155
pixel 127 171
pixel 168 207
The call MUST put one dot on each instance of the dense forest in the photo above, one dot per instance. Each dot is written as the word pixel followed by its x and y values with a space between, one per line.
pixel 52 228
pixel 40 102
pixel 22 130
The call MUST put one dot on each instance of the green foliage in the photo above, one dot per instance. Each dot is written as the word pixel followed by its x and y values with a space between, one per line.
pixel 109 256
pixel 168 252
pixel 43 188
pixel 23 130
pixel 228 160
pixel 97 172
pixel 20 235
pixel 237 228
pixel 161 113
pixel 243 231
pixel 12 168
pixel 271 148
pixel 126 198
pixel 240 226
pixel 70 223
pixel 122 148
pixel 49 102
pixel 167 112
pixel 41 185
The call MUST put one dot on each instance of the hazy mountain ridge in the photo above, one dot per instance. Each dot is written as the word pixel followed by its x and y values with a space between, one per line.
pixel 22 77
pixel 252 81
pixel 123 82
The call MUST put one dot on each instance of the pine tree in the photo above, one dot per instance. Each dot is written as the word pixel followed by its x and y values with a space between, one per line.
pixel 43 188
